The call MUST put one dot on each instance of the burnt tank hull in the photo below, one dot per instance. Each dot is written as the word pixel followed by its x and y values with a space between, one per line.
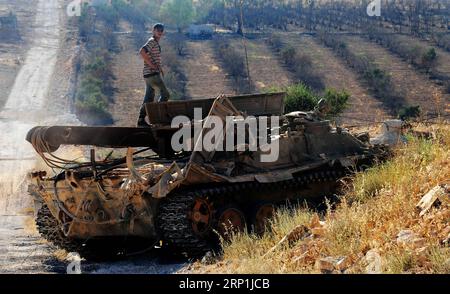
pixel 187 201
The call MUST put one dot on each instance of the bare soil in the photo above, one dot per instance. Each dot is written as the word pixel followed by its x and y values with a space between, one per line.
pixel 129 84
pixel 205 76
pixel 265 69
pixel 363 107
pixel 12 51
pixel 417 87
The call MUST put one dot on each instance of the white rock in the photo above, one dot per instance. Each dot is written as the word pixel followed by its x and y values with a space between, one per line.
pixel 374 262
pixel 431 198
pixel 410 239
pixel 391 133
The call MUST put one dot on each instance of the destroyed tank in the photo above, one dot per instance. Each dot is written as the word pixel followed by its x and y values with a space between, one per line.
pixel 189 200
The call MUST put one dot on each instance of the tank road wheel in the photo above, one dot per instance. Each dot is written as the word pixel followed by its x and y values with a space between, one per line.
pixel 184 223
pixel 262 216
pixel 201 216
pixel 189 222
pixel 230 220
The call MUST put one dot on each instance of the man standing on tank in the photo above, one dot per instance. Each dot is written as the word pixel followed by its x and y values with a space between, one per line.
pixel 153 72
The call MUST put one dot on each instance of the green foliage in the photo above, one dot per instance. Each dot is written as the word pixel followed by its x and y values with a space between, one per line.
pixel 275 42
pixel 108 14
pixel 232 60
pixel 258 14
pixel 174 78
pixel 179 13
pixel 93 112
pixel 92 96
pixel 288 54
pixel 300 97
pixel 300 64
pixel 175 85
pixel 429 59
pixel 136 13
pixel 379 80
pixel 406 113
pixel 86 23
pixel 418 55
pixel 443 41
pixel 337 100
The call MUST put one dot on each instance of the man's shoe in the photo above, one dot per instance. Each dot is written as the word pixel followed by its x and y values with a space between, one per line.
pixel 142 123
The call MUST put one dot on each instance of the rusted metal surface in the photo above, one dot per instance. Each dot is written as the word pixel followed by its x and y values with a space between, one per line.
pixel 255 104
pixel 109 137
pixel 134 197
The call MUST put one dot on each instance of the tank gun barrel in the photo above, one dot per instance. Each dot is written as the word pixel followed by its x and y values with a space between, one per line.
pixel 51 138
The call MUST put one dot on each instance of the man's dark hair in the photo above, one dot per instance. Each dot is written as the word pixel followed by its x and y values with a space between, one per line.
pixel 159 27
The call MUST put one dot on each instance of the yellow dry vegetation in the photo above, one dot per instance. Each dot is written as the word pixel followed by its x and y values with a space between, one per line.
pixel 376 206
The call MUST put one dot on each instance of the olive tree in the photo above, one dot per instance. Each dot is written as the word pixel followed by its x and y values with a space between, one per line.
pixel 179 13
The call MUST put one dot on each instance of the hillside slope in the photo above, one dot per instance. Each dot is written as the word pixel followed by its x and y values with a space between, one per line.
pixel 376 228
pixel 204 74
pixel 128 84
pixel 417 87
pixel 265 68
pixel 363 107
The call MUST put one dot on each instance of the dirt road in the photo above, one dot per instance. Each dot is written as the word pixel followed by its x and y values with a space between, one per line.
pixel 24 107
pixel 21 248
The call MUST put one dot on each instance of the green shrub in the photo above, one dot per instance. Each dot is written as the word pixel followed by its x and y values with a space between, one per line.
pixel 380 81
pixel 232 60
pixel 443 41
pixel 301 65
pixel 92 111
pixel 108 14
pixel 92 96
pixel 275 42
pixel 429 59
pixel 288 54
pixel 337 100
pixel 175 86
pixel 300 97
pixel 86 23
pixel 409 112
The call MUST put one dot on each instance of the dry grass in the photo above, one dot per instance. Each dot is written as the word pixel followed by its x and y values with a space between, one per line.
pixel 378 205
pixel 60 255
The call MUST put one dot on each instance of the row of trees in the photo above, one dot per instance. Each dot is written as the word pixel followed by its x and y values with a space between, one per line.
pixel 418 16
pixel 233 62
pixel 96 27
pixel 377 79
pixel 300 64
pixel 413 16
pixel 383 30
pixel 175 78
pixel 95 81
pixel 422 57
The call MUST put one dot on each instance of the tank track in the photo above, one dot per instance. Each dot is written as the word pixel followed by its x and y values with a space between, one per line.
pixel 173 220
pixel 49 228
